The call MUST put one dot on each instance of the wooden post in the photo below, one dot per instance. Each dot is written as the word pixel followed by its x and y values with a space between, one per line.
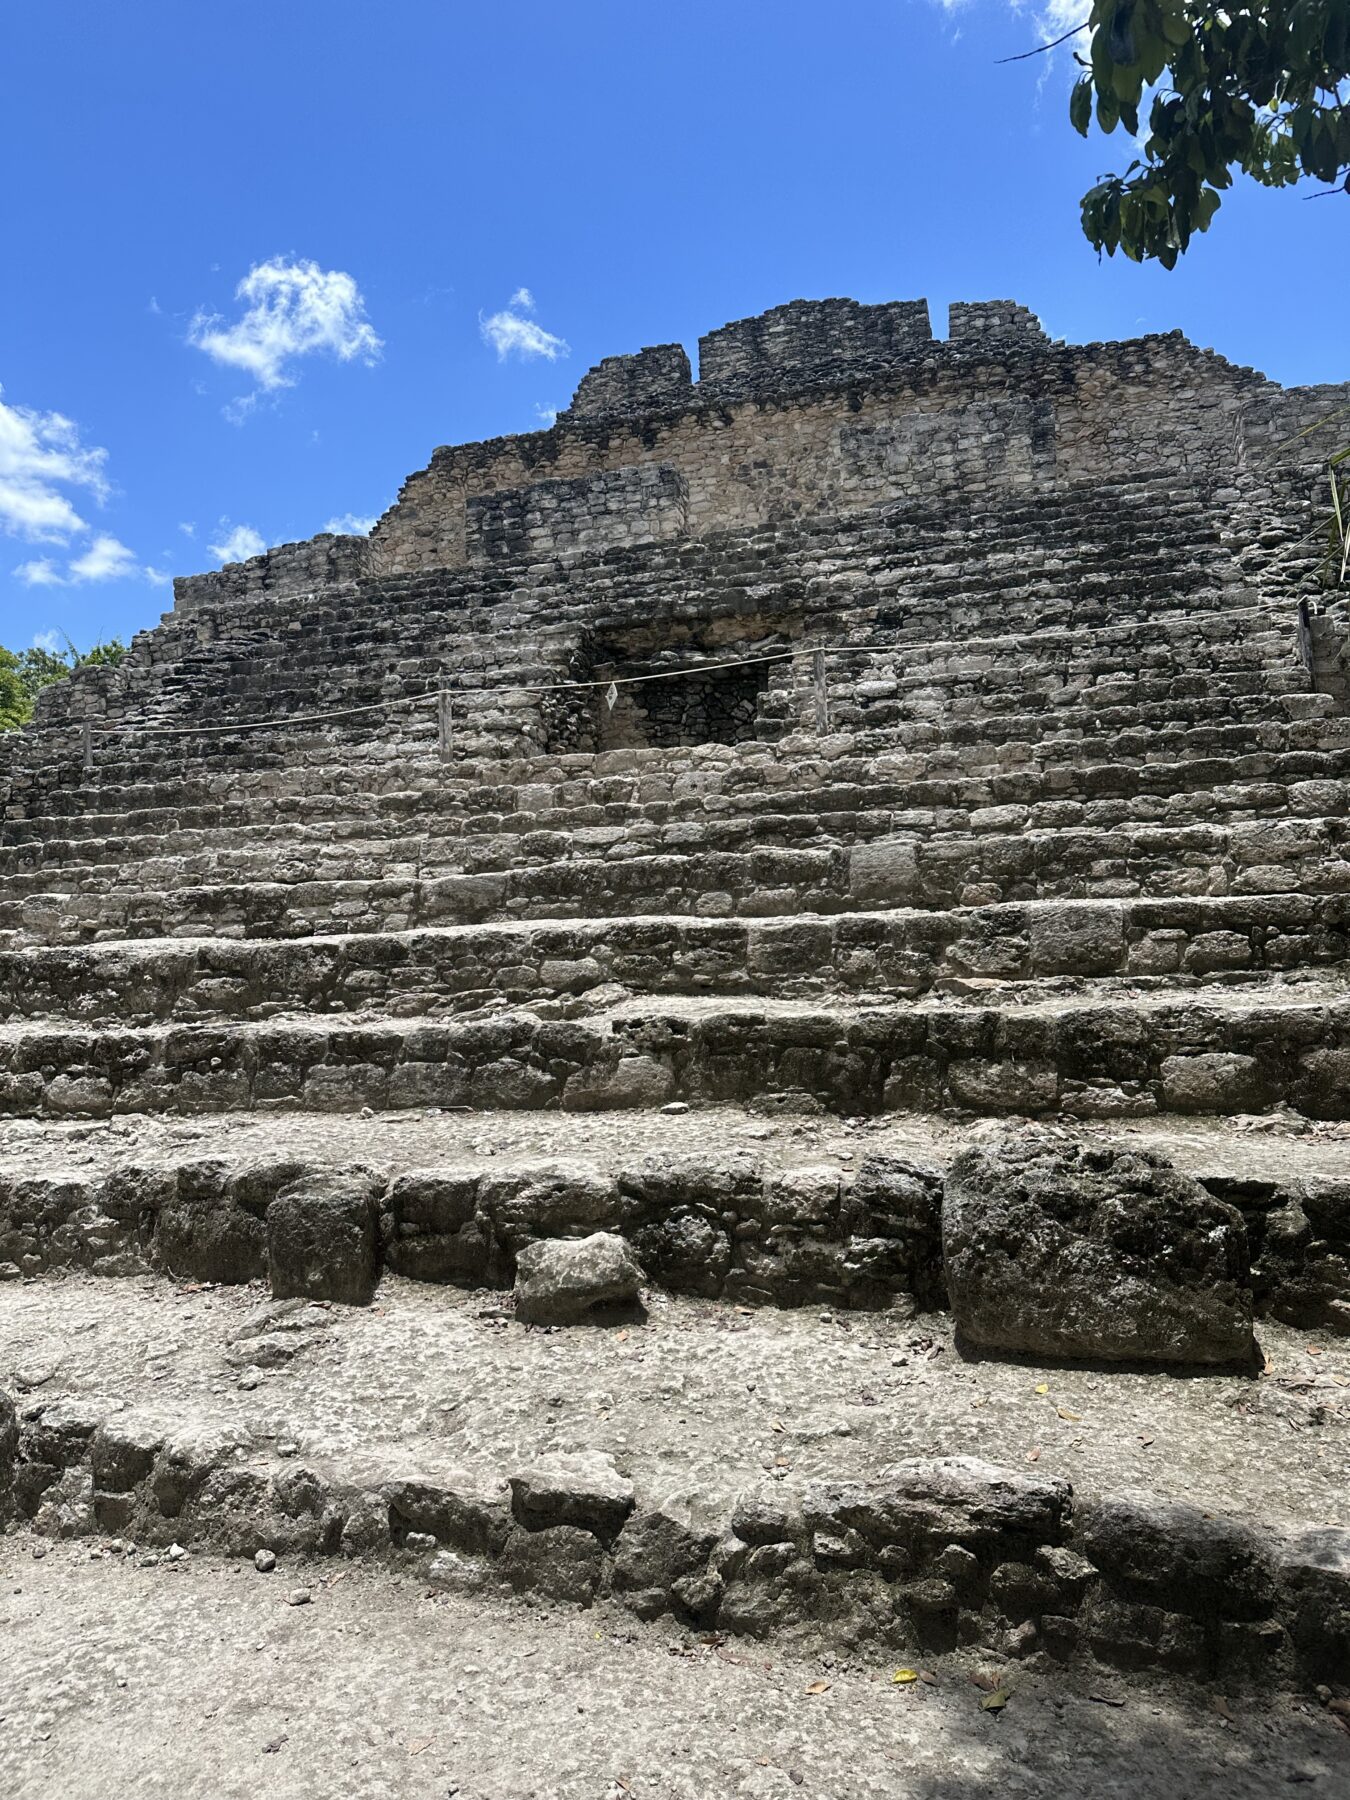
pixel 444 720
pixel 87 744
pixel 818 682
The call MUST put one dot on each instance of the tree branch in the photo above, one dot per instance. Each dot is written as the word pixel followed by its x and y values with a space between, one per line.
pixel 1041 49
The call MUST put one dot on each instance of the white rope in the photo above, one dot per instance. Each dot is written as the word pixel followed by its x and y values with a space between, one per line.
pixel 507 687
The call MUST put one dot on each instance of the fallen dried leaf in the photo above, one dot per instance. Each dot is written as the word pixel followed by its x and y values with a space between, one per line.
pixel 1145 1441
pixel 981 1678
pixel 995 1702
pixel 1034 1455
pixel 1108 1699
pixel 1314 1349
pixel 1219 1705
pixel 928 1677
pixel 905 1675
pixel 621 1338
pixel 421 1745
pixel 817 1687
pixel 777 1425
pixel 1073 1418
pixel 1340 1707
pixel 1043 1387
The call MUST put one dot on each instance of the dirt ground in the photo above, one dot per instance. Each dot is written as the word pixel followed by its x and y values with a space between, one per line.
pixel 199 1680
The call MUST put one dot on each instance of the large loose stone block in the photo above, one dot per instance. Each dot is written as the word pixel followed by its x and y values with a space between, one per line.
pixel 1054 1248
pixel 321 1238
pixel 561 1281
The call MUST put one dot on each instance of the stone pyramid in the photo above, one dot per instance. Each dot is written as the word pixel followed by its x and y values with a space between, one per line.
pixel 707 824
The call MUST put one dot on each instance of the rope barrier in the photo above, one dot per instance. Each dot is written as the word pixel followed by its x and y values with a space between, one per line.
pixel 505 687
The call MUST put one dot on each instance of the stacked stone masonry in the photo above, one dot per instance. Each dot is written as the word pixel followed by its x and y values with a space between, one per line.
pixel 977 747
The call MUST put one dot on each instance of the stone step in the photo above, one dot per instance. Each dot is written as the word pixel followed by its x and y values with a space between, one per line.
pixel 1095 1052
pixel 602 1698
pixel 1185 659
pixel 318 838
pixel 784 865
pixel 903 952
pixel 754 1473
pixel 825 775
pixel 1149 730
pixel 786 1211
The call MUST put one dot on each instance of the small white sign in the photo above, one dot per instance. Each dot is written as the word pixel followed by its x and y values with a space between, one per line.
pixel 611 695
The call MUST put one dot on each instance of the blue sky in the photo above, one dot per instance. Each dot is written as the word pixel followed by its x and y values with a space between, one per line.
pixel 389 178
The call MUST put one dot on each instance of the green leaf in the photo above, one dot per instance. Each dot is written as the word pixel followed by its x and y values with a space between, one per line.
pixel 1080 105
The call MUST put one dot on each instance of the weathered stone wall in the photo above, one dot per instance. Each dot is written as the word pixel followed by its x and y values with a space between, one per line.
pixel 826 408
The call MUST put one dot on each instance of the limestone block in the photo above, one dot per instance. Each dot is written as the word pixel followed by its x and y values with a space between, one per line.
pixel 1212 950
pixel 1076 940
pixel 564 1281
pixel 986 1086
pixel 1060 1249
pixel 1213 1081
pixel 1324 1084
pixel 210 1237
pixel 321 1237
pixel 581 1488
pixel 632 1081
pixel 885 873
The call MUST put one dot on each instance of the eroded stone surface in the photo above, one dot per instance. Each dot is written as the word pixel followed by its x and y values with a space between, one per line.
pixel 564 1281
pixel 1054 1249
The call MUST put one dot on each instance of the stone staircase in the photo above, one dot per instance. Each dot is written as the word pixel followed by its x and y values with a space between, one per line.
pixel 1037 816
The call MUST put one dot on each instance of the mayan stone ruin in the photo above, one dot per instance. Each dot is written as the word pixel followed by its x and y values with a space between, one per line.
pixel 740 1016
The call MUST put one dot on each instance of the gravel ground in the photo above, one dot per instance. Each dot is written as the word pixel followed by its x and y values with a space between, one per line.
pixel 703 1392
pixel 1277 1146
pixel 199 1680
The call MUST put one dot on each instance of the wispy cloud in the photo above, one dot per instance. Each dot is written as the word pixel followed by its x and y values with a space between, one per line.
pixel 351 525
pixel 52 641
pixel 42 571
pixel 238 543
pixel 106 559
pixel 40 455
pixel 512 330
pixel 546 415
pixel 291 310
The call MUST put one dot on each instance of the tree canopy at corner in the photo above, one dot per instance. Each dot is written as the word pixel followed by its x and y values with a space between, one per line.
pixel 24 674
pixel 1241 86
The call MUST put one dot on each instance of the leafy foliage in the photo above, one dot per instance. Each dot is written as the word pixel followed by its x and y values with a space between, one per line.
pixel 24 674
pixel 1245 86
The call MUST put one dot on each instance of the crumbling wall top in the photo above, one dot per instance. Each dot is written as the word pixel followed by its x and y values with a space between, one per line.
pixel 655 380
pixel 810 343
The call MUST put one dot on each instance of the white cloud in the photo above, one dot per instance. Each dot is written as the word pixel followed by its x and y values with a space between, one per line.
pixel 106 559
pixel 237 410
pixel 510 330
pixel 41 572
pixel 41 453
pixel 157 577
pixel 188 528
pixel 546 415
pixel 292 309
pixel 51 641
pixel 351 525
pixel 238 544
